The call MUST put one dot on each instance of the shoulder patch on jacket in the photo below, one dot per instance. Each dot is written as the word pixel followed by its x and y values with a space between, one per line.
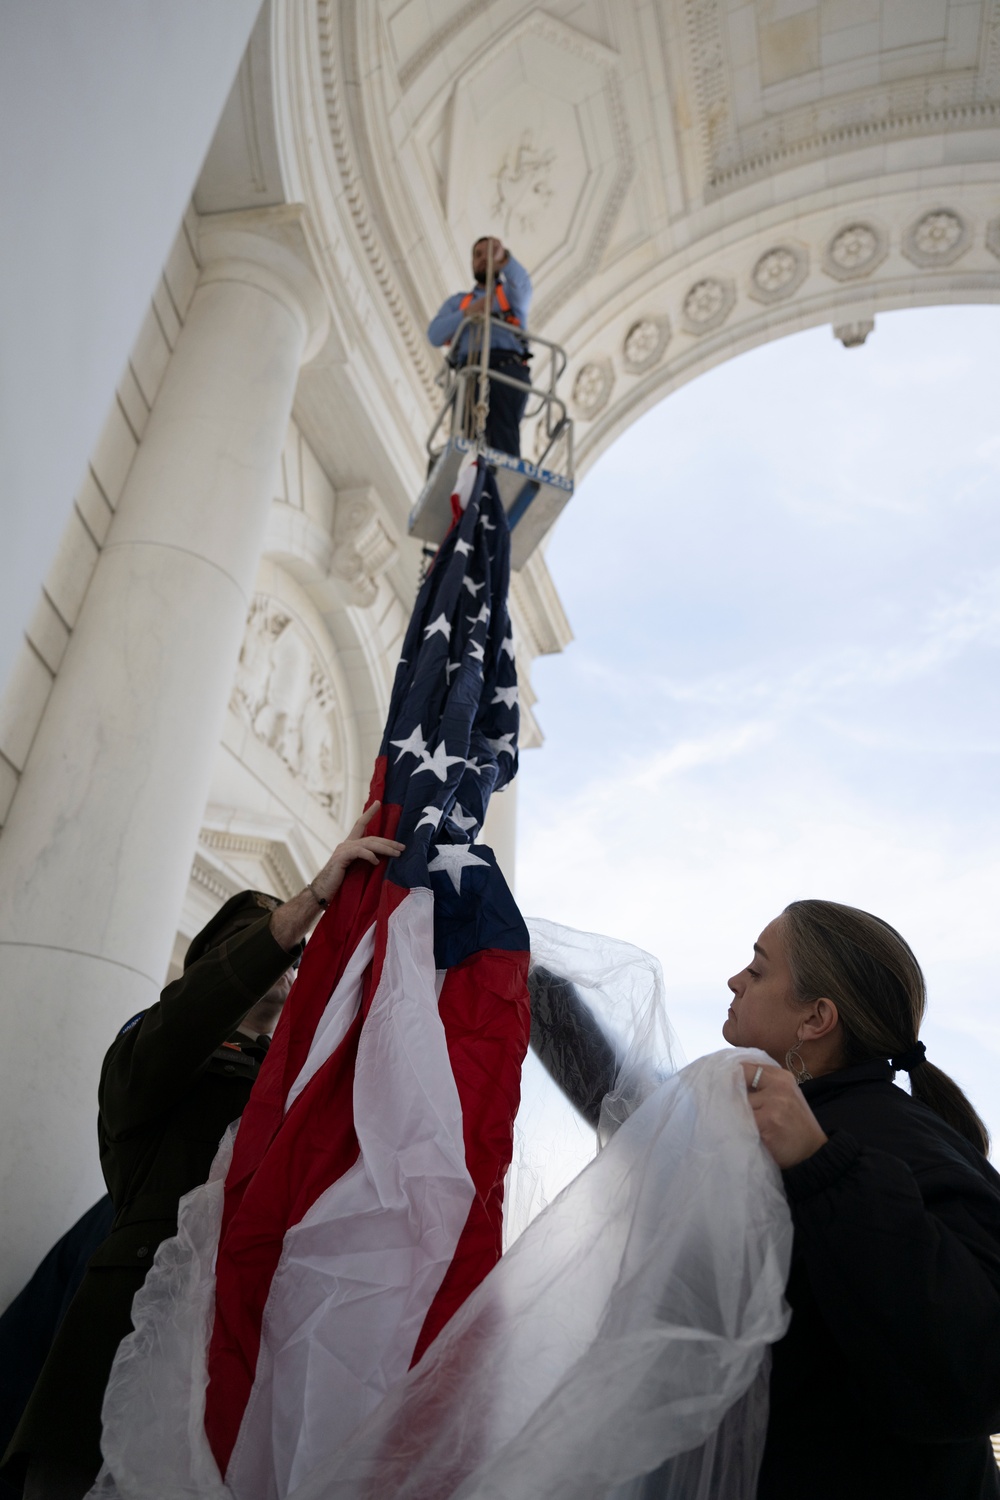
pixel 134 1022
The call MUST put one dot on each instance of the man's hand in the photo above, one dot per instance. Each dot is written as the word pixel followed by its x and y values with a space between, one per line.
pixel 291 922
pixel 787 1125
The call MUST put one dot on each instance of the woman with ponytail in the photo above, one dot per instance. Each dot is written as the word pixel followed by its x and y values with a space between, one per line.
pixel 887 1384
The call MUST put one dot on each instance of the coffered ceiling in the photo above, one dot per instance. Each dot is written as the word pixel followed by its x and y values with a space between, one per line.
pixel 683 178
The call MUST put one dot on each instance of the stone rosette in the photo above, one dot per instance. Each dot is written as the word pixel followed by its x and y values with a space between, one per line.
pixel 993 237
pixel 779 273
pixel 592 387
pixel 937 238
pixel 644 344
pixel 856 250
pixel 708 304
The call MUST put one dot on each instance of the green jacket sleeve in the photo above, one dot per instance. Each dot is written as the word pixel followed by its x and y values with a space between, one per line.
pixel 148 1067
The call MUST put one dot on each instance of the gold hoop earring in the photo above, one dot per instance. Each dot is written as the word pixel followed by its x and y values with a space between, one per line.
pixel 796 1066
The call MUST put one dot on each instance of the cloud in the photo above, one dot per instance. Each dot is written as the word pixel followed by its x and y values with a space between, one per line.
pixel 762 704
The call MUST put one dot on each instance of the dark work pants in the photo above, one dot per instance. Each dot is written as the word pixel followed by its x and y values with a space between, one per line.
pixel 507 403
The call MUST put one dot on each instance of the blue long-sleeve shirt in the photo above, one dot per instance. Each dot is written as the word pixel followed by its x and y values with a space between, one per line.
pixel 517 285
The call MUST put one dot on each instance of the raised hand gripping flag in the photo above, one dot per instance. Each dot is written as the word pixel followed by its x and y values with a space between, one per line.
pixel 364 1198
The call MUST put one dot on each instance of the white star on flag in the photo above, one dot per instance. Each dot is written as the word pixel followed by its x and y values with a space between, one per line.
pixel 508 646
pixel 482 618
pixel 476 651
pixel 502 746
pixel 430 819
pixel 461 818
pixel 473 765
pixel 506 696
pixel 450 667
pixel 486 525
pixel 453 859
pixel 463 548
pixel 473 588
pixel 438 762
pixel 439 626
pixel 414 744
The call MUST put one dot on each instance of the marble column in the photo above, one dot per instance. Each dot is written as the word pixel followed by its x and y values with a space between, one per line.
pixel 95 856
pixel 500 829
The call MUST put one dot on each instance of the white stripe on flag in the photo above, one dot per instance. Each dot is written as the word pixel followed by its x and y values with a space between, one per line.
pixel 340 1010
pixel 358 1275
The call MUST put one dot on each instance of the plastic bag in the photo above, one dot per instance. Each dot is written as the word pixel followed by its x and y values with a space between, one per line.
pixel 619 1349
pixel 626 1332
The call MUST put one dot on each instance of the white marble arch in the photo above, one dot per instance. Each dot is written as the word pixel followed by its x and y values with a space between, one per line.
pixel 675 173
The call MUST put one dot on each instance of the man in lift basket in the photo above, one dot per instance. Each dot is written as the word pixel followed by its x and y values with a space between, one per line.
pixel 508 348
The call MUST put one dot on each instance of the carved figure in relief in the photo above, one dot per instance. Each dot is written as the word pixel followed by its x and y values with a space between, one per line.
pixel 278 719
pixel 508 352
pixel 523 189
pixel 283 694
pixel 322 768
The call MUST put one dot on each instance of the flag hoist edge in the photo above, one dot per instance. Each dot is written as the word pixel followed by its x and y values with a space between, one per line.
pixel 364 1198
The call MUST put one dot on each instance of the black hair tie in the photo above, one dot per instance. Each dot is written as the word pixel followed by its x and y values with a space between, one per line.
pixel 905 1062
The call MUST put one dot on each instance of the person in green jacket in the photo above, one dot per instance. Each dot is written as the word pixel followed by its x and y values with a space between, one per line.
pixel 173 1079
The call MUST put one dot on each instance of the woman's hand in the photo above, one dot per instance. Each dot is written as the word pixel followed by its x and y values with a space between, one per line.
pixel 291 922
pixel 787 1125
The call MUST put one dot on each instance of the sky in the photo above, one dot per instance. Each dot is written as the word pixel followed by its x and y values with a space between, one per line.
pixel 784 586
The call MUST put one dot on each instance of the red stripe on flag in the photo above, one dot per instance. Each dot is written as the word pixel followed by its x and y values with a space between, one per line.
pixel 487 1019
pixel 281 1164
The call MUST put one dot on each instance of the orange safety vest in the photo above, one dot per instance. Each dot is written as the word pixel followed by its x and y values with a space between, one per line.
pixel 503 302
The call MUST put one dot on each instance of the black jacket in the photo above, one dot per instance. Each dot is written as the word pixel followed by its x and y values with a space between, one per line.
pixel 172 1081
pixel 887 1383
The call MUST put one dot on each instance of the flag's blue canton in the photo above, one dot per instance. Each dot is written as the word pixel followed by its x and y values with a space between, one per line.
pixel 451 736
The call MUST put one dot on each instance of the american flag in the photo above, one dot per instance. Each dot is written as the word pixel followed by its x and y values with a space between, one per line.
pixel 364 1199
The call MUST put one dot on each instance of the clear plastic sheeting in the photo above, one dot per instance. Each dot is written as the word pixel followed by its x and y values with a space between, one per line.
pixel 598 1024
pixel 624 1335
pixel 599 1021
pixel 619 1349
pixel 154 1440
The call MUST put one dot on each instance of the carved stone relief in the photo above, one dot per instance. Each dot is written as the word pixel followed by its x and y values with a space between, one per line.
pixel 779 273
pixel 524 187
pixel 854 251
pixel 853 335
pixel 644 344
pixel 283 692
pixel 363 543
pixel 592 387
pixel 936 239
pixel 708 304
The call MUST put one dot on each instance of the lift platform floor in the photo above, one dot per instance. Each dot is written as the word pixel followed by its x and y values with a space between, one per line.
pixel 532 498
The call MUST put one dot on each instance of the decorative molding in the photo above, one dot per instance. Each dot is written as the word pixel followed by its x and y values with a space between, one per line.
pixel 216 882
pixel 584 47
pixel 540 622
pixel 645 343
pixel 281 869
pixel 284 694
pixel 779 273
pixel 855 250
pixel 592 387
pixel 708 304
pixel 993 237
pixel 413 338
pixel 363 543
pixel 708 58
pixel 905 108
pixel 937 238
pixel 853 335
pixel 416 64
